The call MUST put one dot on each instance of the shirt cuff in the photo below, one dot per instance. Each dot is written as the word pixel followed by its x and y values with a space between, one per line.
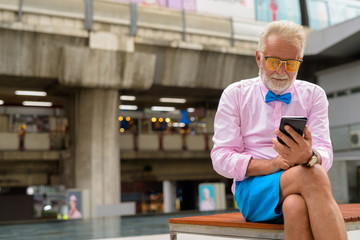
pixel 326 158
pixel 242 166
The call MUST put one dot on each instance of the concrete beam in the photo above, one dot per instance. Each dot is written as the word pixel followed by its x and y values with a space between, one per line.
pixel 32 54
pixel 181 67
pixel 33 155
pixel 85 67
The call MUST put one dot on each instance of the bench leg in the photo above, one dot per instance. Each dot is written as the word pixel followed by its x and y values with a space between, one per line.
pixel 173 235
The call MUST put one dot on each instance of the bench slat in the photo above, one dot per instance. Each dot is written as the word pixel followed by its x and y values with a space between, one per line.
pixel 350 212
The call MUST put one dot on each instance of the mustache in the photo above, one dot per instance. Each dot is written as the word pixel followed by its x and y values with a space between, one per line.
pixel 278 76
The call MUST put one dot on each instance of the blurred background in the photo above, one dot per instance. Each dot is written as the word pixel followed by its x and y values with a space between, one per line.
pixel 107 107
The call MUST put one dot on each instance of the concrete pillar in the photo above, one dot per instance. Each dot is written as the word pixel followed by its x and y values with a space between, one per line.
pixel 169 191
pixel 338 176
pixel 97 153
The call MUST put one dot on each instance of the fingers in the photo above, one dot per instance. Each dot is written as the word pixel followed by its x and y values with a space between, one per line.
pixel 307 133
pixel 281 163
pixel 296 136
pixel 286 139
pixel 284 166
pixel 297 151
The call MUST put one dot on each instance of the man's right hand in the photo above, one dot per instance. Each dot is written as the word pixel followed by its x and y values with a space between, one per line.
pixel 258 167
pixel 281 163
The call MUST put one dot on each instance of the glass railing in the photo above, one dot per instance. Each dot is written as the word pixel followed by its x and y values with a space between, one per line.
pixel 34 141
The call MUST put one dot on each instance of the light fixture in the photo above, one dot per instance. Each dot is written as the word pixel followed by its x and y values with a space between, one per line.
pixel 177 124
pixel 153 119
pixel 1 102
pixel 128 107
pixel 120 118
pixel 37 104
pixel 162 109
pixel 30 93
pixel 128 119
pixel 127 98
pixel 173 100
pixel 167 120
pixel 190 110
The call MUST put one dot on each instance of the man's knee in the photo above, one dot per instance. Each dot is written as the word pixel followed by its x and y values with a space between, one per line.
pixel 294 206
pixel 316 173
pixel 315 178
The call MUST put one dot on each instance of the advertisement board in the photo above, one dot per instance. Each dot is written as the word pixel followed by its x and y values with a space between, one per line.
pixel 272 10
pixel 228 8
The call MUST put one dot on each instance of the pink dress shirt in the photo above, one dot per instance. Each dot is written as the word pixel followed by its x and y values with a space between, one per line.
pixel 244 124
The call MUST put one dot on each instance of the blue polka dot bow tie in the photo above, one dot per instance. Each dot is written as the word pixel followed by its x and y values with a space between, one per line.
pixel 270 96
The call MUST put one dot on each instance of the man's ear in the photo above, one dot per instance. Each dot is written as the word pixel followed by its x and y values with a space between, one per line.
pixel 258 58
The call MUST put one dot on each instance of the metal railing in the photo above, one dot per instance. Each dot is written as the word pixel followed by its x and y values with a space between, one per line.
pixel 135 17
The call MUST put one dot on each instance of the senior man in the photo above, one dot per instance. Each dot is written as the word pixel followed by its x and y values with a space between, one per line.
pixel 274 182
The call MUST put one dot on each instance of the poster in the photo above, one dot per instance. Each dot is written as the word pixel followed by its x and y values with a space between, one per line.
pixel 74 199
pixel 206 197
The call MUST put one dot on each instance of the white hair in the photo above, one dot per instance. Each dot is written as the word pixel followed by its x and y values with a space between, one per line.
pixel 287 30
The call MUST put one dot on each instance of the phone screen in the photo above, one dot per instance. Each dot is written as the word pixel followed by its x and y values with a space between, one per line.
pixel 297 123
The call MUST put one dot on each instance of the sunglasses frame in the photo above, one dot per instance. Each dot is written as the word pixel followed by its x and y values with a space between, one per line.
pixel 285 61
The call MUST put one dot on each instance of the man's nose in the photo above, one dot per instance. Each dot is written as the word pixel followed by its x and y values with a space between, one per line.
pixel 281 70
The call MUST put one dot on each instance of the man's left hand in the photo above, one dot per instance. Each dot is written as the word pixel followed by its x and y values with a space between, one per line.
pixel 296 152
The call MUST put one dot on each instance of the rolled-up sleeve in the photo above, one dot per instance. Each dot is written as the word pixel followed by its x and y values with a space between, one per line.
pixel 228 156
pixel 319 126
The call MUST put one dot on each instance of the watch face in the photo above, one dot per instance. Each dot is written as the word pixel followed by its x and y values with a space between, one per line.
pixel 312 161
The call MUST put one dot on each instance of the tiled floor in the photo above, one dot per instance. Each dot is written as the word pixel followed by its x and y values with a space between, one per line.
pixel 116 227
pixel 119 228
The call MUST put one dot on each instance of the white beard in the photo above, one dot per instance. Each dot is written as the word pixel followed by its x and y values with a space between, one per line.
pixel 273 85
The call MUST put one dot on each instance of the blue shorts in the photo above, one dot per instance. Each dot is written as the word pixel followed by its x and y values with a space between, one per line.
pixel 258 198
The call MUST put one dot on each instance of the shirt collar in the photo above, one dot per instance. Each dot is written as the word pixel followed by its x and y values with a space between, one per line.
pixel 264 90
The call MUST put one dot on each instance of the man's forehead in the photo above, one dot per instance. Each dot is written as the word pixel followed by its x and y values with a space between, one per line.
pixel 281 48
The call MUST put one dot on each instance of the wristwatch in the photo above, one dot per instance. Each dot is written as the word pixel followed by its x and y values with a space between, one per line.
pixel 312 160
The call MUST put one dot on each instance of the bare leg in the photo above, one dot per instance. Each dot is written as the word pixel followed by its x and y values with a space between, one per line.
pixel 296 218
pixel 313 185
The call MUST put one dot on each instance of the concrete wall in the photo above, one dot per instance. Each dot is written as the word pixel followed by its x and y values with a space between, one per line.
pixel 342 112
pixel 172 169
pixel 333 79
pixel 344 77
pixel 28 172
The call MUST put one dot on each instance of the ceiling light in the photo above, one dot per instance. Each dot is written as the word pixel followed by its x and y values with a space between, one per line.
pixel 1 102
pixel 30 93
pixel 190 110
pixel 128 107
pixel 173 100
pixel 162 109
pixel 127 98
pixel 37 104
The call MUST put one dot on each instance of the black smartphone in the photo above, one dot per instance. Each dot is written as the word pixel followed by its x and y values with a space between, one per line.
pixel 297 123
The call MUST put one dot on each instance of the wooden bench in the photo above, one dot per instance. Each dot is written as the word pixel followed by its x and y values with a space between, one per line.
pixel 234 225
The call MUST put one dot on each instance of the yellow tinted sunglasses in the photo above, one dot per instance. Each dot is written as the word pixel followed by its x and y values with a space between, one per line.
pixel 291 65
